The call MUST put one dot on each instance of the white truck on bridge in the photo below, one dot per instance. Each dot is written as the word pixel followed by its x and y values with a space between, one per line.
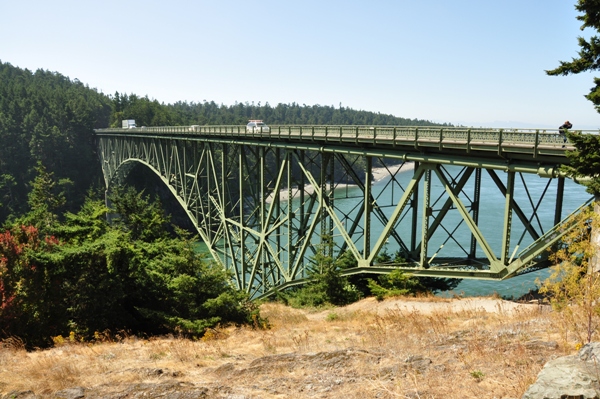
pixel 128 123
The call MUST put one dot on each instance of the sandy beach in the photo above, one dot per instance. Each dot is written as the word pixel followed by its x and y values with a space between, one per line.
pixel 378 174
pixel 382 173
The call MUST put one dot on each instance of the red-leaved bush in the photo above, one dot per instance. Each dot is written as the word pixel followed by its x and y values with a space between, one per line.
pixel 24 277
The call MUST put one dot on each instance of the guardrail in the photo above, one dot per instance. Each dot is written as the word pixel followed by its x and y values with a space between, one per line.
pixel 470 139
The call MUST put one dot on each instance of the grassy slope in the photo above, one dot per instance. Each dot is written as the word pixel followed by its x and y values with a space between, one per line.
pixel 428 348
pixel 365 350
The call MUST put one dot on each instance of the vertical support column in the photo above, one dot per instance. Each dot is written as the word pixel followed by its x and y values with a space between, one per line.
pixel 261 252
pixel 560 191
pixel 302 227
pixel 108 203
pixel 323 190
pixel 475 211
pixel 277 211
pixel 415 214
pixel 291 248
pixel 224 205
pixel 368 207
pixel 183 168
pixel 326 194
pixel 425 218
pixel 510 191
pixel 209 205
pixel 331 199
pixel 197 149
pixel 242 234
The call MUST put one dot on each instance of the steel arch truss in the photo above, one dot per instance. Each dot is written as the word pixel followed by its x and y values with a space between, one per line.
pixel 264 211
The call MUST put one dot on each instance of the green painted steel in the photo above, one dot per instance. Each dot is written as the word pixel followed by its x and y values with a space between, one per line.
pixel 265 203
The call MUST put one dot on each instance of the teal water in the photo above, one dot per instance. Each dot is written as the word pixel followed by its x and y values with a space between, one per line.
pixel 512 288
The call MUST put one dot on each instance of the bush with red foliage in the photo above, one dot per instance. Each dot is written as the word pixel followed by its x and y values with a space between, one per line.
pixel 25 281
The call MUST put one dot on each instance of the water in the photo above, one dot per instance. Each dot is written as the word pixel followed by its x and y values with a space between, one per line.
pixel 512 288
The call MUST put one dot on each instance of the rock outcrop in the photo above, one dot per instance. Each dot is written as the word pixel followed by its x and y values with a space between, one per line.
pixel 569 377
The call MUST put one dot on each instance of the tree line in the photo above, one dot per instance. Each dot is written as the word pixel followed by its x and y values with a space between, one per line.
pixel 148 112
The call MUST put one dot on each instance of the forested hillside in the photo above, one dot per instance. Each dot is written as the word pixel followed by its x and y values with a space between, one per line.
pixel 48 118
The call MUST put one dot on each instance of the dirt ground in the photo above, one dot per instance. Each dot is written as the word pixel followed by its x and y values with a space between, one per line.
pixel 398 348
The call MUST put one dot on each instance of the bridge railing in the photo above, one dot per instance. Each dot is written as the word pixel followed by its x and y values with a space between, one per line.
pixel 424 136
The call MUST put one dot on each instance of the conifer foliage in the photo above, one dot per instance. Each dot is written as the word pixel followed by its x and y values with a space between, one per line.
pixel 46 117
pixel 84 276
pixel 589 53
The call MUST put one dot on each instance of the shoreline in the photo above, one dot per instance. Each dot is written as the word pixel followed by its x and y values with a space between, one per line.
pixel 378 175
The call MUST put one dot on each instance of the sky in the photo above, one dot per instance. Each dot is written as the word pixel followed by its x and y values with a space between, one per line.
pixel 464 62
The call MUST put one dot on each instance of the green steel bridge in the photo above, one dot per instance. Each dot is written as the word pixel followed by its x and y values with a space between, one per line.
pixel 265 203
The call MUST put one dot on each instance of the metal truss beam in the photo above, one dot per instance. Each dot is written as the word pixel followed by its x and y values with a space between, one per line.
pixel 265 207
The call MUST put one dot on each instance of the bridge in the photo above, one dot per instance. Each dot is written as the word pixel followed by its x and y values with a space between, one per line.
pixel 267 203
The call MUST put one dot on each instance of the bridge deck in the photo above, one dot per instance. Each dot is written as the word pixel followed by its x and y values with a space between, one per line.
pixel 541 145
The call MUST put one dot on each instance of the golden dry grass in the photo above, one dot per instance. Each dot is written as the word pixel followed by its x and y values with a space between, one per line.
pixel 399 348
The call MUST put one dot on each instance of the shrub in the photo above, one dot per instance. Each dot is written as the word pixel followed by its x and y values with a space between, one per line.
pixel 326 284
pixel 92 276
pixel 396 283
pixel 573 289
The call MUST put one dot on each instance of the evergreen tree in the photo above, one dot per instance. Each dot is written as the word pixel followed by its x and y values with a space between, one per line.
pixel 589 53
pixel 584 161
pixel 85 275
pixel 45 200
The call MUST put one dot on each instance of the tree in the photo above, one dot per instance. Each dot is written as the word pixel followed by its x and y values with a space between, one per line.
pixel 84 275
pixel 29 300
pixel 44 199
pixel 46 117
pixel 574 285
pixel 326 284
pixel 585 160
pixel 138 214
pixel 589 54
pixel 129 276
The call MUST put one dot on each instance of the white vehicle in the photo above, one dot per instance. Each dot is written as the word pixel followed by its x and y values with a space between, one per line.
pixel 257 126
pixel 128 123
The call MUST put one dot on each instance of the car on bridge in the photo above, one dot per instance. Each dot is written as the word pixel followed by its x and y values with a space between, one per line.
pixel 257 126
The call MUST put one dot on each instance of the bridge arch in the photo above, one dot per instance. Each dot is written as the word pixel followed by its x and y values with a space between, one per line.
pixel 124 168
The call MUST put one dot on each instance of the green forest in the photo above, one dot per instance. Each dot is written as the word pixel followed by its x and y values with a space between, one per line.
pixel 63 268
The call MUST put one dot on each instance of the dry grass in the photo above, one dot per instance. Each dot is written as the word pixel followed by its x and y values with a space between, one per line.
pixel 394 349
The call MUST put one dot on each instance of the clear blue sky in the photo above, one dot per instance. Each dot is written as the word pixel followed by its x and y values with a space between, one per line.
pixel 470 62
